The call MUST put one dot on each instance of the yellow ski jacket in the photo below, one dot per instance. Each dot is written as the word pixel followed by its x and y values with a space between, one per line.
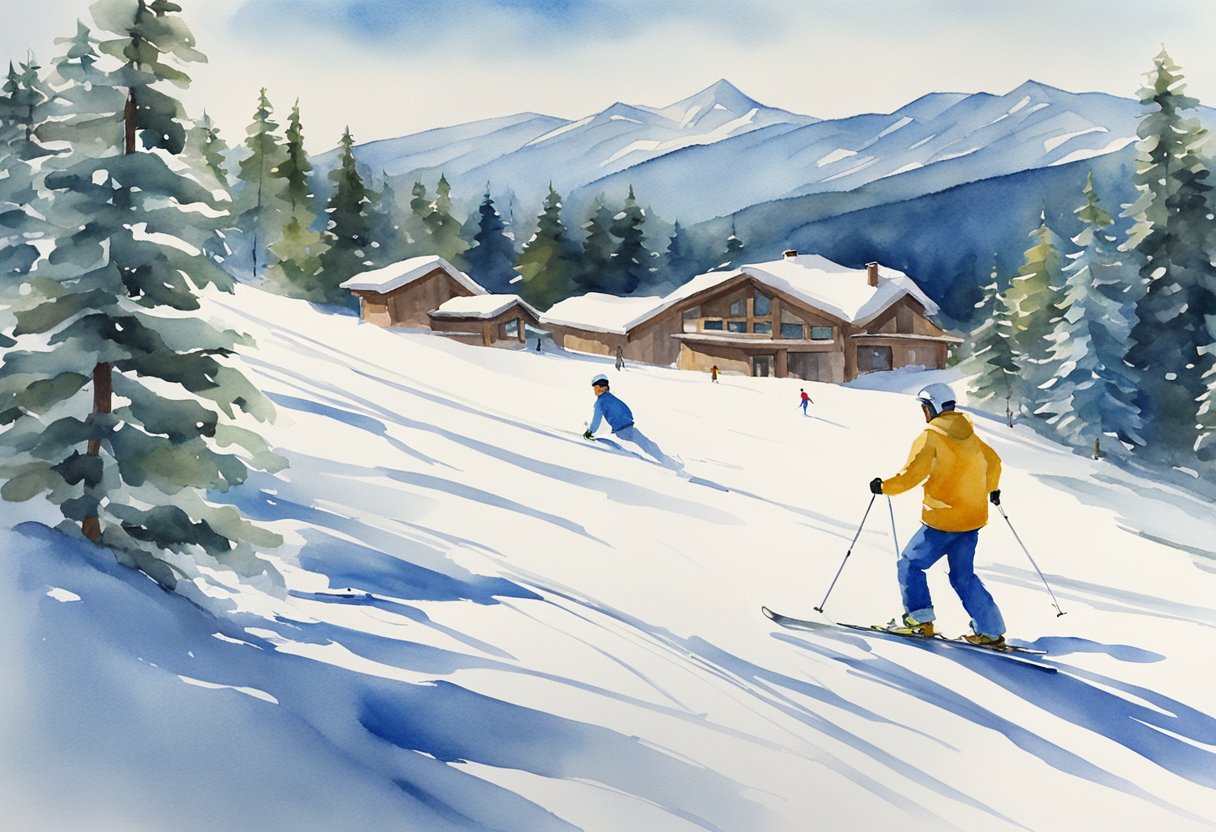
pixel 961 471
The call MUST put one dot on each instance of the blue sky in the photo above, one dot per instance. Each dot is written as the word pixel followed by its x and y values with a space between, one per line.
pixel 390 67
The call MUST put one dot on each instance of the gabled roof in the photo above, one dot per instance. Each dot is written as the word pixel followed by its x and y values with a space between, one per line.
pixel 403 272
pixel 819 283
pixel 480 306
pixel 598 312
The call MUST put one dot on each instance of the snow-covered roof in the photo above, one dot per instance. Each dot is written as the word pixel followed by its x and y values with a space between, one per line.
pixel 388 278
pixel 598 312
pixel 820 283
pixel 480 306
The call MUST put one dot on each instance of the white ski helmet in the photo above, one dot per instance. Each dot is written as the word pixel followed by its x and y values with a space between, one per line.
pixel 936 397
pixel 598 379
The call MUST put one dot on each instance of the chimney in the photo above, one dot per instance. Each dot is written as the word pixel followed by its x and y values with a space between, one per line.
pixel 790 253
pixel 872 274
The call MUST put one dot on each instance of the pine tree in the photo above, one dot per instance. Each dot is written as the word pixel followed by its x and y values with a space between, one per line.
pixel 631 262
pixel 1031 298
pixel 109 321
pixel 261 200
pixel 416 232
pixel 682 261
pixel 595 264
pixel 24 105
pixel 348 231
pixel 1175 234
pixel 444 229
pixel 206 153
pixel 297 272
pixel 389 242
pixel 1092 393
pixel 992 365
pixel 491 260
pixel 731 257
pixel 546 260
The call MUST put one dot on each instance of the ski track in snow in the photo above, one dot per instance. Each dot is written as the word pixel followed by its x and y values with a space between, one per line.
pixel 485 622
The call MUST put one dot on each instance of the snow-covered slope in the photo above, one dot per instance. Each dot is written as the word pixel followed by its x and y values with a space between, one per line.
pixel 489 623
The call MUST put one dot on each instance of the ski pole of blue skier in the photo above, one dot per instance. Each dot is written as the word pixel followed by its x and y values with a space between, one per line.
pixel 846 555
pixel 1054 603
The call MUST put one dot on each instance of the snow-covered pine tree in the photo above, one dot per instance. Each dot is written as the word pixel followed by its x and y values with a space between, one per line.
pixel 348 230
pixel 444 229
pixel 991 365
pixel 1175 234
pixel 681 261
pixel 417 234
pixel 296 272
pixel 631 262
pixel 1031 298
pixel 491 260
pixel 119 402
pixel 389 243
pixel 260 208
pixel 1091 393
pixel 595 261
pixel 546 262
pixel 206 153
pixel 731 256
pixel 23 106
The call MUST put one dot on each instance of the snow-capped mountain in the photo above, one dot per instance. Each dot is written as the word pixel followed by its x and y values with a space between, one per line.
pixel 485 622
pixel 719 151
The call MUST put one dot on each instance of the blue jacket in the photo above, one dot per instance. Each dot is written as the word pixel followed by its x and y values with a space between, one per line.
pixel 615 411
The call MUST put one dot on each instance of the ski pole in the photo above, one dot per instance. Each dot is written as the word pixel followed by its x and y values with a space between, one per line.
pixel 894 535
pixel 1054 603
pixel 846 554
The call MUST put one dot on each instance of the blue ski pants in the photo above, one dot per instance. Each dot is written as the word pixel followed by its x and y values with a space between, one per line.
pixel 926 548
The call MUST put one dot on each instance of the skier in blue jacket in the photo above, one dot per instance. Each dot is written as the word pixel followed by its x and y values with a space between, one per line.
pixel 610 409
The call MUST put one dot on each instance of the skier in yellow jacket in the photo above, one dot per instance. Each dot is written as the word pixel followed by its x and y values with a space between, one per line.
pixel 959 471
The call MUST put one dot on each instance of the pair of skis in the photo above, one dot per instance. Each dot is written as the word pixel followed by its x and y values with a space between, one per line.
pixel 1007 652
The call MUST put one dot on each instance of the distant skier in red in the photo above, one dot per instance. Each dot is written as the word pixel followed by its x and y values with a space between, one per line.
pixel 805 401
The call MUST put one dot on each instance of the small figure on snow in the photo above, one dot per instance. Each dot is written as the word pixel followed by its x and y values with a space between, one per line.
pixel 620 418
pixel 620 358
pixel 806 399
pixel 713 374
pixel 962 471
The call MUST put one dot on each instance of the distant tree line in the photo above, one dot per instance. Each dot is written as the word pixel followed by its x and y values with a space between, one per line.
pixel 1108 342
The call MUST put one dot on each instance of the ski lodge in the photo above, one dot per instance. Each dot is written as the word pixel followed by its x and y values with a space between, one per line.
pixel 802 316
pixel 430 292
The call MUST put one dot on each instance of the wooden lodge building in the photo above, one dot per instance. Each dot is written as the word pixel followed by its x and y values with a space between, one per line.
pixel 802 316
pixel 430 292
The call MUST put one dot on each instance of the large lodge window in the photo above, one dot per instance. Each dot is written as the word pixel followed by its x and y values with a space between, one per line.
pixel 793 331
pixel 821 333
pixel 761 305
pixel 762 328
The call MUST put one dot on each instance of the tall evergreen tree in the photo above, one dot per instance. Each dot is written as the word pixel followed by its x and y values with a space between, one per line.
pixel 261 199
pixel 348 231
pixel 24 104
pixel 389 242
pixel 491 260
pixel 444 229
pixel 297 272
pixel 546 262
pixel 1174 233
pixel 595 264
pixel 1031 298
pixel 992 364
pixel 416 232
pixel 631 261
pixel 731 257
pixel 1092 393
pixel 109 321
pixel 682 261
pixel 206 153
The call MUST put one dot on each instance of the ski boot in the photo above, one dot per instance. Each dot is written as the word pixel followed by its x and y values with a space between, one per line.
pixel 908 626
pixel 981 640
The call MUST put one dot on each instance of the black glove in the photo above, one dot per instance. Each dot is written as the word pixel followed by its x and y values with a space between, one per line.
pixel 588 434
pixel 994 497
pixel 876 485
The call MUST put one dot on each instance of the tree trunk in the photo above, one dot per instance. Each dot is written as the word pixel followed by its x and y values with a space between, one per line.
pixel 103 402
pixel 1097 448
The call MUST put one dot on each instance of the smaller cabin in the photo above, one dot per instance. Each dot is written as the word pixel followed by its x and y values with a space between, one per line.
pixel 485 320
pixel 404 293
